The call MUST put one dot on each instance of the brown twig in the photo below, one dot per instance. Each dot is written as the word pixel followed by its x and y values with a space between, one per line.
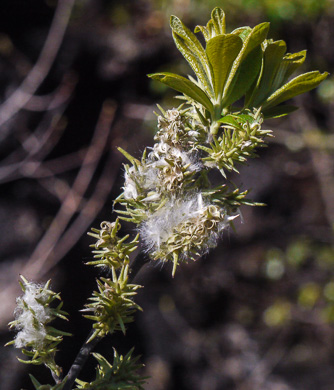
pixel 89 345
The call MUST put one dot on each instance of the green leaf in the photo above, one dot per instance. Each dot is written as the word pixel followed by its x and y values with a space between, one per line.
pixel 204 31
pixel 247 65
pixel 195 62
pixel 272 58
pixel 193 52
pixel 218 20
pixel 133 160
pixel 34 381
pixel 230 120
pixel 300 84
pixel 236 120
pixel 277 112
pixel 185 86
pixel 245 76
pixel 215 26
pixel 191 40
pixel 222 50
pixel 293 62
pixel 256 37
pixel 242 32
pixel 289 64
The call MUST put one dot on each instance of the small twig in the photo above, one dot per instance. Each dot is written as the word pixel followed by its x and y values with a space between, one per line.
pixel 55 377
pixel 80 360
pixel 88 346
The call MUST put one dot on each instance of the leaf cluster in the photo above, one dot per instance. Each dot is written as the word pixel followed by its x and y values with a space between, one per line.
pixel 241 136
pixel 120 375
pixel 241 64
pixel 112 305
pixel 110 250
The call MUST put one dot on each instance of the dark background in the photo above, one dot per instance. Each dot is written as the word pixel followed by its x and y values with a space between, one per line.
pixel 254 314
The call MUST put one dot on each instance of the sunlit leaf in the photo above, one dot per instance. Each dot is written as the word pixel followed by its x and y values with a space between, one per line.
pixel 289 64
pixel 215 26
pixel 296 86
pixel 242 32
pixel 247 65
pixel 218 20
pixel 245 76
pixel 272 58
pixel 191 40
pixel 195 62
pixel 222 50
pixel 185 86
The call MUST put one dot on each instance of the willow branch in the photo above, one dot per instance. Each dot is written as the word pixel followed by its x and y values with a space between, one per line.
pixel 88 346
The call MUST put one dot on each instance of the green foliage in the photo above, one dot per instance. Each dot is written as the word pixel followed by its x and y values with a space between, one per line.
pixel 240 64
pixel 185 86
pixel 38 386
pixel 111 251
pixel 240 78
pixel 243 134
pixel 120 375
pixel 112 305
pixel 221 52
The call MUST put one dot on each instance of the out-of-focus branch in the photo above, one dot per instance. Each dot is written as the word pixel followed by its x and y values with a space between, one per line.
pixel 55 243
pixel 37 145
pixel 36 265
pixel 323 166
pixel 22 95
pixel 54 99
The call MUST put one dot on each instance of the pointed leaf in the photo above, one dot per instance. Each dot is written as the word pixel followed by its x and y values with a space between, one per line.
pixel 245 76
pixel 300 84
pixel 133 160
pixel 250 69
pixel 183 85
pixel 204 31
pixel 272 58
pixel 195 62
pixel 191 40
pixel 242 32
pixel 121 323
pixel 288 65
pixel 34 382
pixel 230 120
pixel 218 20
pixel 222 50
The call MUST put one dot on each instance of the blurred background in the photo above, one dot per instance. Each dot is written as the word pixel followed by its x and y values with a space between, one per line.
pixel 257 313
